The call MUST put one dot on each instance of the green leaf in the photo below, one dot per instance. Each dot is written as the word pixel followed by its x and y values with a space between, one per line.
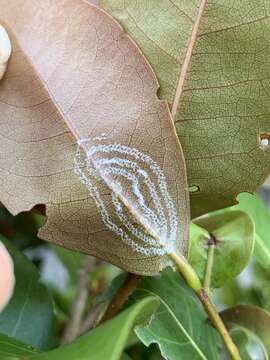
pixel 179 326
pixel 256 209
pixel 105 342
pixel 11 349
pixel 234 233
pixel 254 321
pixel 212 62
pixel 125 357
pixel 29 315
pixel 241 339
pixel 108 340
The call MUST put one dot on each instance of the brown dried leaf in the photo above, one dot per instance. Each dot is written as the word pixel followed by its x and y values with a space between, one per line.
pixel 74 68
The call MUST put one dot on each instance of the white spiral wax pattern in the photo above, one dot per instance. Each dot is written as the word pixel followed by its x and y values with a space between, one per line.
pixel 119 166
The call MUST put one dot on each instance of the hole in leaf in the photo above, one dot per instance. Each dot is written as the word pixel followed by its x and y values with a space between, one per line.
pixel 194 189
pixel 264 141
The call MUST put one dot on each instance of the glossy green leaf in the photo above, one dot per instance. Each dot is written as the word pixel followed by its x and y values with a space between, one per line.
pixel 105 342
pixel 108 340
pixel 212 62
pixel 234 233
pixel 179 326
pixel 255 208
pixel 29 315
pixel 241 340
pixel 253 320
pixel 11 349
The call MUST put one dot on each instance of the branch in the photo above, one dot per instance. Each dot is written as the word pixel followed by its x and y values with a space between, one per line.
pixel 72 329
pixel 92 318
pixel 122 295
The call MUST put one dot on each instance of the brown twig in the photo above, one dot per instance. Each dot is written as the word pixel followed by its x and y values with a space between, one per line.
pixel 72 329
pixel 92 318
pixel 122 295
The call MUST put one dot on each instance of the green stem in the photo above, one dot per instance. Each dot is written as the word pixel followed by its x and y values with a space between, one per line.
pixel 186 271
pixel 209 268
pixel 218 323
pixel 194 282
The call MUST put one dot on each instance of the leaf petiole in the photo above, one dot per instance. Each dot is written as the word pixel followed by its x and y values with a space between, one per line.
pixel 192 279
pixel 187 271
pixel 212 242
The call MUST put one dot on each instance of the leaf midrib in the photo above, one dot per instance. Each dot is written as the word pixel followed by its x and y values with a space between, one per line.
pixel 187 59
